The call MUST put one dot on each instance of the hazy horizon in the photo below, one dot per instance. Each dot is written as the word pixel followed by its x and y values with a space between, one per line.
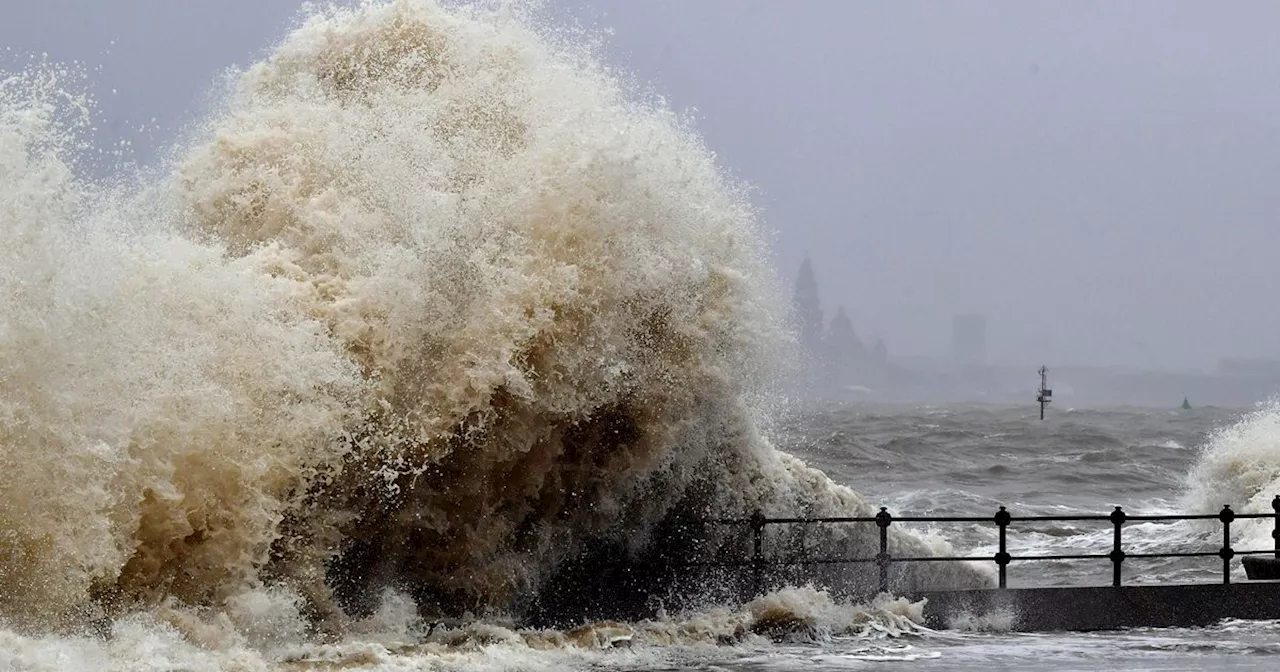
pixel 1090 176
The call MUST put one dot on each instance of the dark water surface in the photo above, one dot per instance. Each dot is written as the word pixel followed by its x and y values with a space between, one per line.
pixel 968 460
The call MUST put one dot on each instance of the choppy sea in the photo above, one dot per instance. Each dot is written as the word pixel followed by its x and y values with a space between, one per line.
pixel 968 460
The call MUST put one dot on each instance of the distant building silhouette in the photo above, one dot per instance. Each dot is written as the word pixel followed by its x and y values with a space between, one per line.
pixel 843 341
pixel 838 361
pixel 808 310
pixel 846 357
pixel 880 353
pixel 969 339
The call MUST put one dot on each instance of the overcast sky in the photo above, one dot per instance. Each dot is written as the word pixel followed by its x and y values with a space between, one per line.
pixel 1096 177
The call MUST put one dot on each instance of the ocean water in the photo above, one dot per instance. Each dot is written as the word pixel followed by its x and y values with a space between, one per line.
pixel 929 460
pixel 967 461
pixel 429 308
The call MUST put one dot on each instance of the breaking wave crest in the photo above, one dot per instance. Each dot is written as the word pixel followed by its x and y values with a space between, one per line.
pixel 1240 465
pixel 430 304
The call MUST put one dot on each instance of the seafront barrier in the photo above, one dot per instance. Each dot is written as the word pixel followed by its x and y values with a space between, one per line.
pixel 1002 519
pixel 622 589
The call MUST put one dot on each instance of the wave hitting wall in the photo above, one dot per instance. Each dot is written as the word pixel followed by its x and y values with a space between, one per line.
pixel 430 302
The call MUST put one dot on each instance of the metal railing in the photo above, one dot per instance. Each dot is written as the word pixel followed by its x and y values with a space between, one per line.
pixel 757 523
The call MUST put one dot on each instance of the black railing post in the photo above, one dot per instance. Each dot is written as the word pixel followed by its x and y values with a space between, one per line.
pixel 1117 552
pixel 1226 516
pixel 757 553
pixel 883 520
pixel 1002 556
pixel 1275 531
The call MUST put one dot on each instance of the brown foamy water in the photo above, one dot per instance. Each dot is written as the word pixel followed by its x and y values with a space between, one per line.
pixel 430 303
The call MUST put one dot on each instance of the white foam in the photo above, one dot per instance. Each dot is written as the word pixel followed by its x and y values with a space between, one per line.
pixel 430 281
pixel 1240 466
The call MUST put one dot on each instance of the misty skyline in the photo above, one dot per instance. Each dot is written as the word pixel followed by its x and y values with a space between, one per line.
pixel 1093 177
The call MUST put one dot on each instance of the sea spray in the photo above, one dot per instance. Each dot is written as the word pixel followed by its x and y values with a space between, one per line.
pixel 157 400
pixel 1239 465
pixel 431 303
pixel 166 641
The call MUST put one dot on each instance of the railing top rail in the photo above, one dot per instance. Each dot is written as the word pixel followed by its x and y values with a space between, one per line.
pixel 784 562
pixel 787 520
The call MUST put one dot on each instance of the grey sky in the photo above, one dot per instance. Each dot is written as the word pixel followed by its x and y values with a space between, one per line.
pixel 1096 172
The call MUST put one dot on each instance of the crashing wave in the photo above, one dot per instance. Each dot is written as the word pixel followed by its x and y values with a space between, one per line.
pixel 431 303
pixel 1239 466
